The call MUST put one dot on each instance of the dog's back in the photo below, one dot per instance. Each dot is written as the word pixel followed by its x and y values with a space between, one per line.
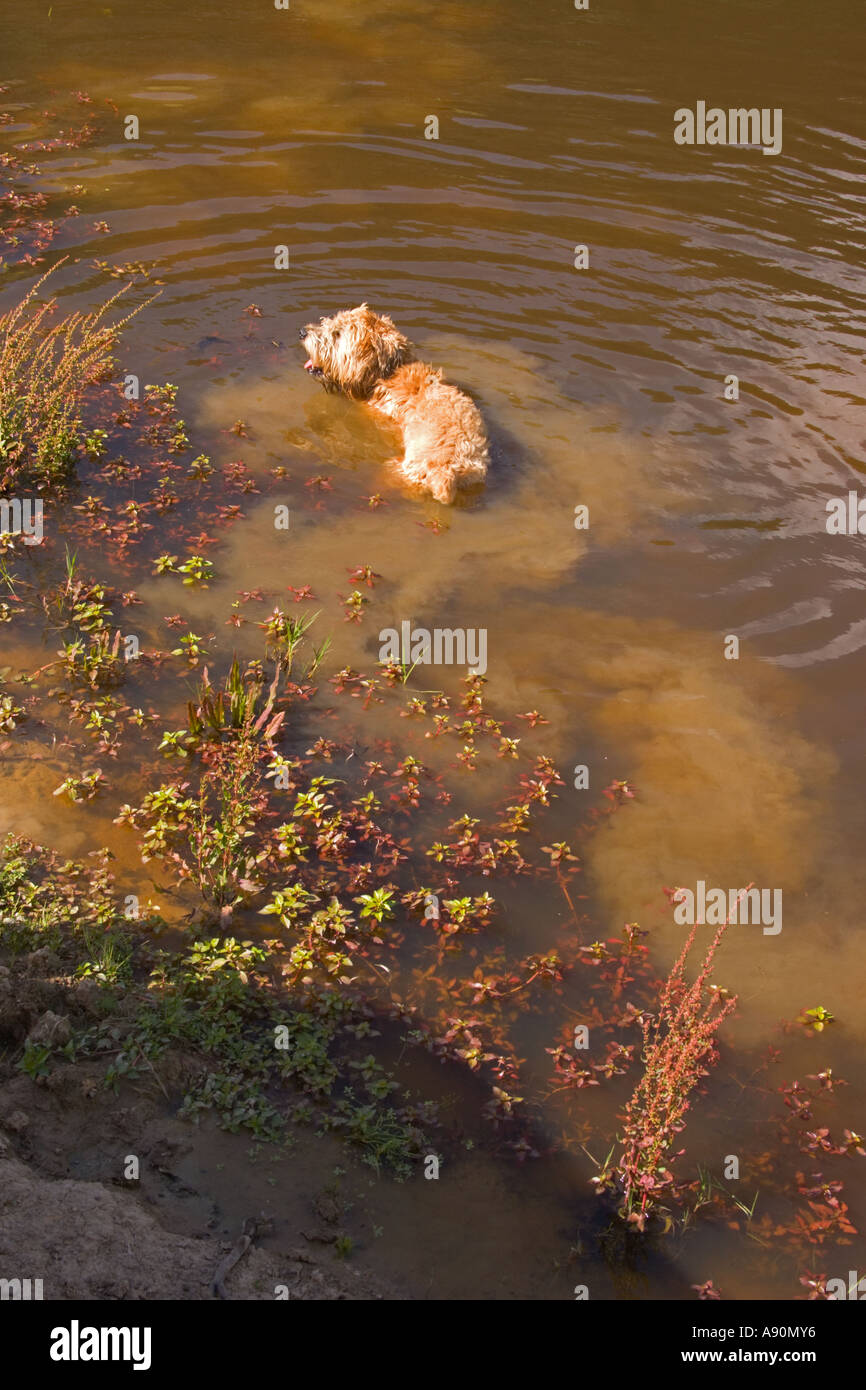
pixel 445 446
pixel 364 355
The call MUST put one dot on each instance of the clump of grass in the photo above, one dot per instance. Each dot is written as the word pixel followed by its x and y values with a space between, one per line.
pixel 46 365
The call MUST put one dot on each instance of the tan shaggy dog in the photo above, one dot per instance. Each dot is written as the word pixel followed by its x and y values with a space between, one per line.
pixel 363 355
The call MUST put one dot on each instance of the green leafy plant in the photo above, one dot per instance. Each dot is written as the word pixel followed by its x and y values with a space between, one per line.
pixel 34 1062
pixel 83 788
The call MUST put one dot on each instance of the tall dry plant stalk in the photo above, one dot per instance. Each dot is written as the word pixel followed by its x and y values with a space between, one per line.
pixel 679 1044
pixel 45 368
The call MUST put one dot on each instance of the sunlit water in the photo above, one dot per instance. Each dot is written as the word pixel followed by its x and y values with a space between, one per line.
pixel 601 387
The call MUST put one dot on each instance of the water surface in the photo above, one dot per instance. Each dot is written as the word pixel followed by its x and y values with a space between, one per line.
pixel 601 386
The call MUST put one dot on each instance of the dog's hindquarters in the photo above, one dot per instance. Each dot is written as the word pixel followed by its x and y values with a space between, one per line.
pixel 444 444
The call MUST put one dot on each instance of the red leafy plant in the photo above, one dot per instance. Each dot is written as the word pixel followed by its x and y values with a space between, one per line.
pixel 679 1043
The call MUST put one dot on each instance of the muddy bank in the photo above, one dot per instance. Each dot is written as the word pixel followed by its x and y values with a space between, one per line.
pixel 106 1195
pixel 85 1240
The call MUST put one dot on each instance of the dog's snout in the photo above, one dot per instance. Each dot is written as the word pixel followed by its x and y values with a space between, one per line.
pixel 302 333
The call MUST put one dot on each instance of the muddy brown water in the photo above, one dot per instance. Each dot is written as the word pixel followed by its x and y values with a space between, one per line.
pixel 602 386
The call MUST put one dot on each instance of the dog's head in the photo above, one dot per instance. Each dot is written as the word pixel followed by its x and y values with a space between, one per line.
pixel 353 350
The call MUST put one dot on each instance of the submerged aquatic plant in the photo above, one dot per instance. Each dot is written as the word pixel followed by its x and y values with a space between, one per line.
pixel 80 789
pixel 96 663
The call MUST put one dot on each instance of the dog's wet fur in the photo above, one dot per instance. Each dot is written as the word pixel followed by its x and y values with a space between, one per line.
pixel 364 356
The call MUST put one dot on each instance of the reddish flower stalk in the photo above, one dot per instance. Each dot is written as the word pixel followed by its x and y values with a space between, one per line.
pixel 679 1042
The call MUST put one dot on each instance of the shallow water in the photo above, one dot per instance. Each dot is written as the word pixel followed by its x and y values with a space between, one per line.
pixel 601 387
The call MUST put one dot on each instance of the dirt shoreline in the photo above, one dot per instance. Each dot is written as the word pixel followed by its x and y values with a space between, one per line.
pixel 70 1217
